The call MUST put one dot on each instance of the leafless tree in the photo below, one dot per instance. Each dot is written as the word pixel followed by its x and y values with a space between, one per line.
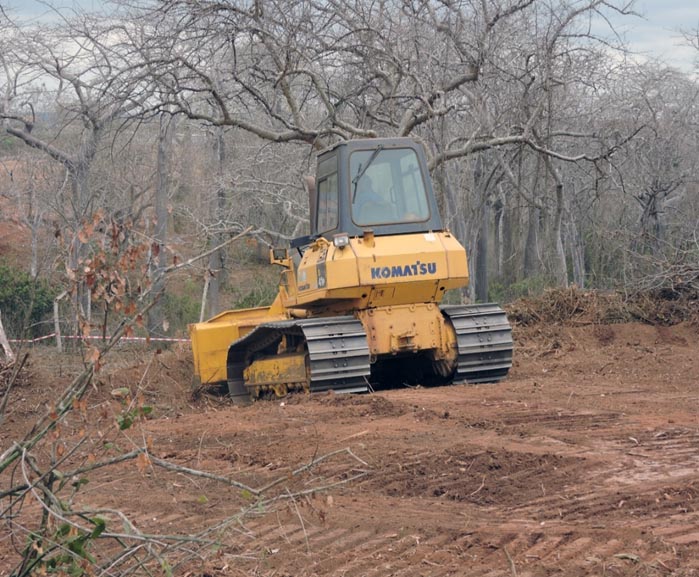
pixel 75 86
pixel 494 73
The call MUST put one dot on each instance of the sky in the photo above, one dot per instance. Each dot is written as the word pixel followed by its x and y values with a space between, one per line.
pixel 653 35
pixel 37 8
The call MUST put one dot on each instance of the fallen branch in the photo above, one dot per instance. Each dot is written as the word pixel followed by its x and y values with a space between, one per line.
pixel 203 474
pixel 511 562
pixel 138 550
pixel 310 465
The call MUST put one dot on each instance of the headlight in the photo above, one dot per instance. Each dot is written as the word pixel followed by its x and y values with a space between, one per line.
pixel 341 240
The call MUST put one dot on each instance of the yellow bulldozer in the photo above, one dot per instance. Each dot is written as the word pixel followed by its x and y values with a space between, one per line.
pixel 362 307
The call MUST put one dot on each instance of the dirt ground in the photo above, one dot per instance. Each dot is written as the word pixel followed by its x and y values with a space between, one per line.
pixel 585 461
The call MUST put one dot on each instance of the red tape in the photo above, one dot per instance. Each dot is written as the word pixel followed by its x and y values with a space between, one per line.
pixel 137 339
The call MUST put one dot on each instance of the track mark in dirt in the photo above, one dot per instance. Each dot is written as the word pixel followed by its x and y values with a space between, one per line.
pixel 563 420
pixel 472 475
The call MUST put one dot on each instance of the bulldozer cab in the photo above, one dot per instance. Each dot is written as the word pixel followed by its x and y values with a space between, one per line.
pixel 377 184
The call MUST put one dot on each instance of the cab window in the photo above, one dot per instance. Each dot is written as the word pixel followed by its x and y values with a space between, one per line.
pixel 327 203
pixel 387 187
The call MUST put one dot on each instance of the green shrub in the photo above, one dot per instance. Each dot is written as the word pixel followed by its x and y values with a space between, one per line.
pixel 260 296
pixel 24 302
pixel 528 287
pixel 182 308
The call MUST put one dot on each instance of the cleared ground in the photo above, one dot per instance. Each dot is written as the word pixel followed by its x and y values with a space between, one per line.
pixel 585 461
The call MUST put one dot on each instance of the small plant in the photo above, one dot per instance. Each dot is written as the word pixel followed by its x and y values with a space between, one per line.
pixel 72 546
pixel 132 410
pixel 24 301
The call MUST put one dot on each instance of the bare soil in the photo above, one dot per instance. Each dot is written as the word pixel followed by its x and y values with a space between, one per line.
pixel 585 461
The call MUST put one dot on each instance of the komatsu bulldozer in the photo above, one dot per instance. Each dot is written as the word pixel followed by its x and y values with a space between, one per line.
pixel 362 307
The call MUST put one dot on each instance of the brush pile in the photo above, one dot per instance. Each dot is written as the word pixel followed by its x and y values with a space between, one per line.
pixel 575 307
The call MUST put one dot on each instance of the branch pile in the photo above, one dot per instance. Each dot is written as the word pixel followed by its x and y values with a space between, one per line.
pixel 574 307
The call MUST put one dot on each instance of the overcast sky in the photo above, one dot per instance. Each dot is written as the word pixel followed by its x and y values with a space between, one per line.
pixel 655 34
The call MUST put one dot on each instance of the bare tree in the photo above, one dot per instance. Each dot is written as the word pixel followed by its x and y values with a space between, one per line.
pixel 75 85
pixel 497 74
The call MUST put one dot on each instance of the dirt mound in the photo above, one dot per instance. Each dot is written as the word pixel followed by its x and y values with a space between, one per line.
pixel 359 406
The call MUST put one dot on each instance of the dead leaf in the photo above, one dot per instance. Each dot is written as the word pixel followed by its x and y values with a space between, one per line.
pixel 92 355
pixel 84 328
pixel 142 462
pixel 80 405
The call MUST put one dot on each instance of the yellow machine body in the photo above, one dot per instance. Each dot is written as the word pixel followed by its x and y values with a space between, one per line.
pixel 393 282
pixel 374 272
pixel 212 338
pixel 363 303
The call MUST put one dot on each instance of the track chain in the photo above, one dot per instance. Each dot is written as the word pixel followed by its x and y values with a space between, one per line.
pixel 484 338
pixel 338 353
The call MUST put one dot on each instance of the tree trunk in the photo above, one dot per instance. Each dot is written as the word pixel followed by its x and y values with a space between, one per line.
pixel 531 245
pixel 560 267
pixel 57 320
pixel 454 219
pixel 204 295
pixel 5 344
pixel 577 254
pixel 80 191
pixel 509 228
pixel 156 320
pixel 216 275
pixel 498 212
pixel 482 255
pixel 480 187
